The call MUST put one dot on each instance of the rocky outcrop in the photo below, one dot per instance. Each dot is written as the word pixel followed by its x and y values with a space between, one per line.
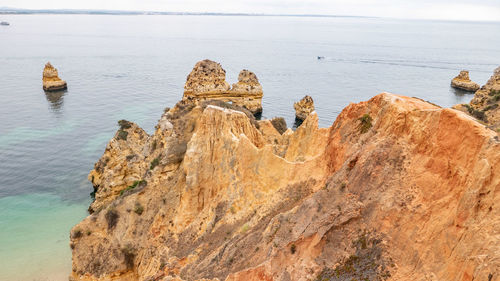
pixel 125 153
pixel 485 104
pixel 463 82
pixel 395 189
pixel 207 78
pixel 248 92
pixel 303 108
pixel 207 81
pixel 51 80
pixel 483 96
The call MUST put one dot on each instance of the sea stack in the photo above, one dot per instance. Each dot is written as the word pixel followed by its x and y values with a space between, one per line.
pixel 207 81
pixel 51 80
pixel 249 91
pixel 303 108
pixel 463 82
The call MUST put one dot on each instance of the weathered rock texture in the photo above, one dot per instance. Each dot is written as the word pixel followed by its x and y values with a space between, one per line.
pixel 463 82
pixel 207 81
pixel 395 189
pixel 51 80
pixel 485 104
pixel 303 108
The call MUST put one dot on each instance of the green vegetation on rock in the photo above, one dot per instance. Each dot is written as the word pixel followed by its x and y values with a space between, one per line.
pixel 366 123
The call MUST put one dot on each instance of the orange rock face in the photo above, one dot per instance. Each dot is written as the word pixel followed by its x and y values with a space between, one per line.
pixel 395 189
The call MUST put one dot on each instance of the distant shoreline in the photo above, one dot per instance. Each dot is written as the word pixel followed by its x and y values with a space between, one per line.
pixel 14 11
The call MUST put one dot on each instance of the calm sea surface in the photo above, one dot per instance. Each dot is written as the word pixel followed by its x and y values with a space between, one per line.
pixel 131 67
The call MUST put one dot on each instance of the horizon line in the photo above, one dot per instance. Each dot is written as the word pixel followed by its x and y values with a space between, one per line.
pixel 65 11
pixel 9 10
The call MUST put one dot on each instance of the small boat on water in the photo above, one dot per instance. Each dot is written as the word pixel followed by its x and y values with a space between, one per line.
pixel 4 23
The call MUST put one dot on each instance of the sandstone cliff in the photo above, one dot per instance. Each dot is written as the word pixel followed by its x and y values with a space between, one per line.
pixel 51 80
pixel 485 104
pixel 207 81
pixel 463 82
pixel 395 189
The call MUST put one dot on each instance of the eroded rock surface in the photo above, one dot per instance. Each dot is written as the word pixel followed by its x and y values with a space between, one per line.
pixel 207 81
pixel 303 108
pixel 51 80
pixel 485 104
pixel 395 189
pixel 206 78
pixel 463 82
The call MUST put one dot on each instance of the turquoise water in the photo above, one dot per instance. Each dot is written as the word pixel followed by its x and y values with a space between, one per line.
pixel 132 67
pixel 34 236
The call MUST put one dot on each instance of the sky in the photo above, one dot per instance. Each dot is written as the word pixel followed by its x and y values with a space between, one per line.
pixel 480 10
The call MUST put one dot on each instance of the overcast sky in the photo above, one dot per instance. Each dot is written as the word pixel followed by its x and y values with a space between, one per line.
pixel 488 10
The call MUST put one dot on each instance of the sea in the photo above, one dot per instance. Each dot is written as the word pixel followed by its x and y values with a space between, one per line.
pixel 133 66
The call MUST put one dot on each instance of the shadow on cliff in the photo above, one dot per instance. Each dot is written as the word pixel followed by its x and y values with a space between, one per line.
pixel 297 123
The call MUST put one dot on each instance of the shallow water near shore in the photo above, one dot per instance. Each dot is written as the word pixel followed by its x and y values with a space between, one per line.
pixel 132 67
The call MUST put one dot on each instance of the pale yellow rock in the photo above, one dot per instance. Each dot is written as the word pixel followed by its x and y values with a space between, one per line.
pixel 206 78
pixel 303 108
pixel 249 90
pixel 51 80
pixel 123 163
pixel 463 82
pixel 486 102
pixel 207 81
